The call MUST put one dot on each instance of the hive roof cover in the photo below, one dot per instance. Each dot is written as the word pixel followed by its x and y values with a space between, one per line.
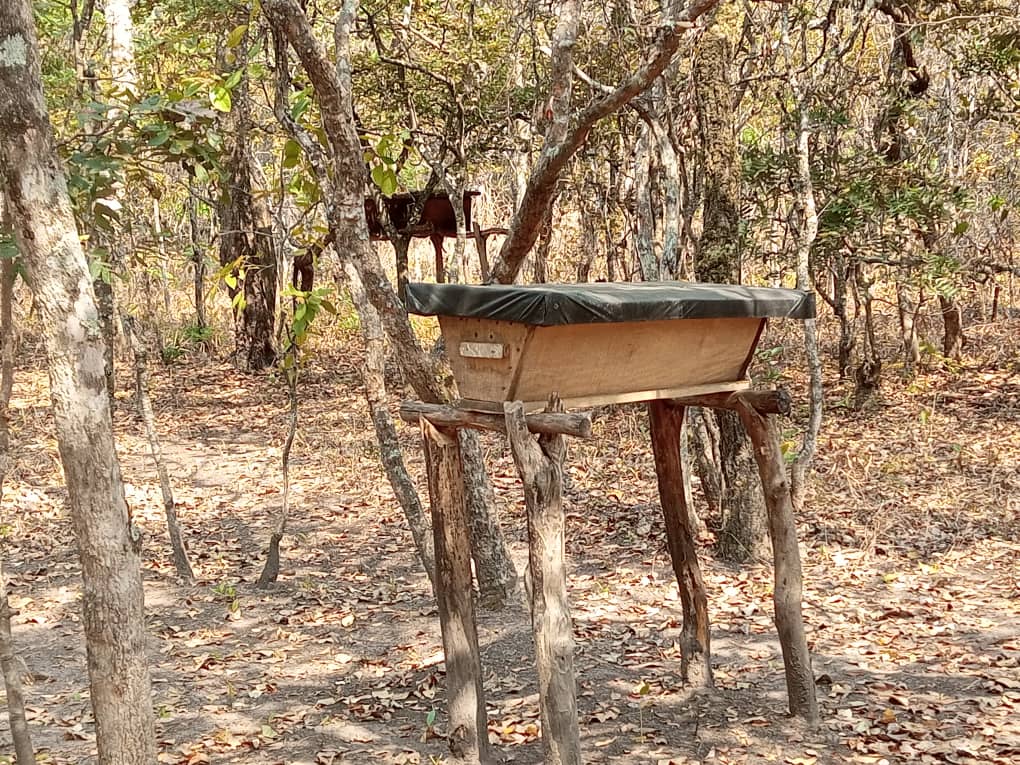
pixel 547 305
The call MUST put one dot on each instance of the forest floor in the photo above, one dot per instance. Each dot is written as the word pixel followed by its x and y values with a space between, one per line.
pixel 910 545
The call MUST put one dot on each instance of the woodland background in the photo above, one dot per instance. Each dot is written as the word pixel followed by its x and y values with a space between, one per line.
pixel 868 151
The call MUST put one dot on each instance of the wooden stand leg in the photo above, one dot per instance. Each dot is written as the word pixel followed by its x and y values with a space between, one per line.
pixel 483 259
pixel 468 735
pixel 437 243
pixel 666 421
pixel 540 465
pixel 787 593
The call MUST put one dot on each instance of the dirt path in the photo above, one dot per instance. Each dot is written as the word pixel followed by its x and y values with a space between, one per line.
pixel 912 567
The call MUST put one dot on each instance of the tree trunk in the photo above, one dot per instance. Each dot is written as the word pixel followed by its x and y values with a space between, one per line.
pixel 124 85
pixel 805 238
pixel 10 663
pixel 246 236
pixel 644 209
pixel 540 465
pixel 666 425
pixel 197 259
pixel 952 323
pixel 401 245
pixel 11 666
pixel 468 735
pixel 540 257
pixel 108 543
pixel 373 375
pixel 743 533
pixel 346 190
pixel 908 332
pixel 788 590
pixel 497 577
pixel 271 568
pixel 180 554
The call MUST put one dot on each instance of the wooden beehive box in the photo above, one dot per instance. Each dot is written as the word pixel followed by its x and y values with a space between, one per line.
pixel 600 343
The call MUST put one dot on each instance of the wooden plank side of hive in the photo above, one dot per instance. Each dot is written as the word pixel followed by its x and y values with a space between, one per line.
pixel 601 361
pixel 484 355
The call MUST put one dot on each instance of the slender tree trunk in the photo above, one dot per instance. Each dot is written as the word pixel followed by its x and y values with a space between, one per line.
pixel 180 554
pixel 805 238
pixel 540 257
pixel 197 259
pixel 908 332
pixel 540 464
pixel 787 592
pixel 271 568
pixel 345 190
pixel 666 425
pixel 10 663
pixel 467 737
pixel 108 543
pixel 374 379
pixel 124 86
pixel 742 536
pixel 246 236
pixel 952 323
pixel 644 212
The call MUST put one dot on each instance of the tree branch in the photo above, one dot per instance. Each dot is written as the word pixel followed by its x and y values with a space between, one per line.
pixel 562 141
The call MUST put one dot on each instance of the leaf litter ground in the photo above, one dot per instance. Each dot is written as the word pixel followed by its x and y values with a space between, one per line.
pixel 910 542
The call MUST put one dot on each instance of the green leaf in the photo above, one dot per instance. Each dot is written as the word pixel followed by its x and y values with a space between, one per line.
pixel 233 79
pixel 430 718
pixel 219 97
pixel 231 281
pixel 236 35
pixel 291 153
pixel 385 179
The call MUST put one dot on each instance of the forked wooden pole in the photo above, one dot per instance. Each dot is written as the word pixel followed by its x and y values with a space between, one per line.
pixel 665 422
pixel 788 590
pixel 541 467
pixel 468 735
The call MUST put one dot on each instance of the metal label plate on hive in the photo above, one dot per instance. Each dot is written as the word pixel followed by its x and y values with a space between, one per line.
pixel 482 350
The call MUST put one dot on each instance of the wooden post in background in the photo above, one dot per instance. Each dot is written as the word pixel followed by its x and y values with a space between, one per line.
pixel 468 733
pixel 666 422
pixel 540 465
pixel 788 591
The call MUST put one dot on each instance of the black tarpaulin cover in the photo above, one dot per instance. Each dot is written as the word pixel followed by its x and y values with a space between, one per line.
pixel 547 305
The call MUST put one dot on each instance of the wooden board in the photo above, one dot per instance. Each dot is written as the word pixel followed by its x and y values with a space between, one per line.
pixel 489 379
pixel 583 402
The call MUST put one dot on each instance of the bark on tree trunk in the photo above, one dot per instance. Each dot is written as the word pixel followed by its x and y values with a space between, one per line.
pixel 743 533
pixel 788 590
pixel 908 331
pixel 345 189
pixel 952 323
pixel 180 554
pixel 197 259
pixel 246 236
pixel 109 545
pixel 373 375
pixel 666 424
pixel 11 668
pixel 497 577
pixel 271 568
pixel 10 663
pixel 540 465
pixel 805 237
pixel 467 737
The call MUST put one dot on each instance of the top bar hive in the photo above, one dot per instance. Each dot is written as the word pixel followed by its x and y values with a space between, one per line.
pixel 601 343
